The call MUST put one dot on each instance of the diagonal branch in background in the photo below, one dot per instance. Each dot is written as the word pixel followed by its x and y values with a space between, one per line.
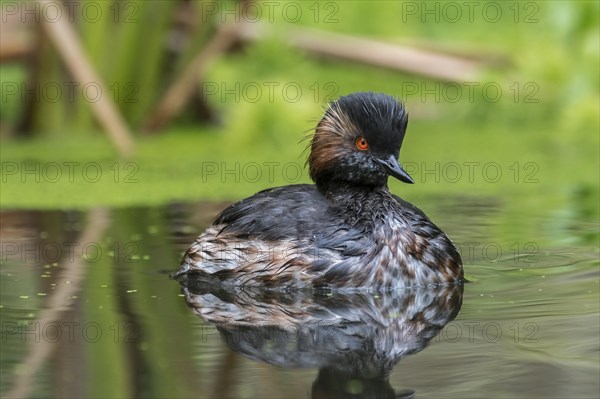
pixel 64 38
pixel 182 89
pixel 60 301
pixel 432 64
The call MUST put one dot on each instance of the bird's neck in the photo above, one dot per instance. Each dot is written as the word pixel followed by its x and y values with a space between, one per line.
pixel 359 205
pixel 346 192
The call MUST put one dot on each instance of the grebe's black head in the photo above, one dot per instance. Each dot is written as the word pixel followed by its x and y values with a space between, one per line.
pixel 358 141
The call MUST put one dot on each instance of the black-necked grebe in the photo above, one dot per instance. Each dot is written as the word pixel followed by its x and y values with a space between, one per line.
pixel 347 231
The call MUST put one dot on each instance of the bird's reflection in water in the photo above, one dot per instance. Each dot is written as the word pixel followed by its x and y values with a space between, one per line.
pixel 354 339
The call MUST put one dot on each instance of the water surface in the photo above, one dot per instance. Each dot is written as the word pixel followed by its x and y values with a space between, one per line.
pixel 88 310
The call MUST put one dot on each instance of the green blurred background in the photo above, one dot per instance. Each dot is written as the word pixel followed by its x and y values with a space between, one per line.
pixel 542 124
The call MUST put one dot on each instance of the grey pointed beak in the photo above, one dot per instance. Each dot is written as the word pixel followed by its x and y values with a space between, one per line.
pixel 392 166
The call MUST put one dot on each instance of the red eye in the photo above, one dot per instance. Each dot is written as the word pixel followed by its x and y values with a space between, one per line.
pixel 361 143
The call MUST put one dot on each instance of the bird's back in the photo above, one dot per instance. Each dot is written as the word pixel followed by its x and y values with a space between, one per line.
pixel 295 211
pixel 277 237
